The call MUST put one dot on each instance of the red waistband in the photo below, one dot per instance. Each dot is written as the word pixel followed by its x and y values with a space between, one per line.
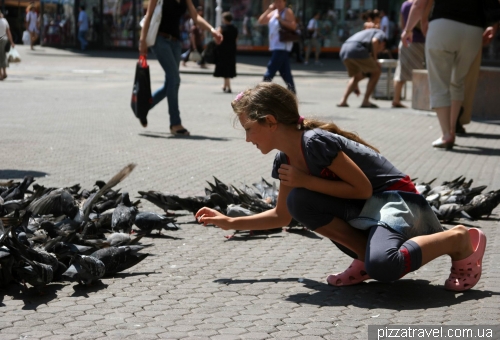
pixel 404 184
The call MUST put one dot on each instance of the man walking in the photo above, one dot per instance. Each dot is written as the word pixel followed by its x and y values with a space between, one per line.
pixel 359 55
pixel 83 27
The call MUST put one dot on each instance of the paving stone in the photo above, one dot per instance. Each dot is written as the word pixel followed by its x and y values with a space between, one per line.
pixel 255 335
pixel 89 335
pixel 8 336
pixel 173 335
pixel 181 328
pixel 35 334
pixel 285 335
pixel 203 333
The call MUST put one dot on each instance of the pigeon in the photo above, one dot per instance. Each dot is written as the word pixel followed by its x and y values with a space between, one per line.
pixel 124 215
pixel 450 212
pixel 120 176
pixel 6 264
pixel 161 200
pixel 56 203
pixel 35 273
pixel 483 204
pixel 17 192
pixel 118 259
pixel 424 187
pixel 85 269
pixel 149 221
pixel 122 239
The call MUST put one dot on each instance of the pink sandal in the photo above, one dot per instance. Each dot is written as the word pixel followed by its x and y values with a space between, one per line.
pixel 467 272
pixel 356 273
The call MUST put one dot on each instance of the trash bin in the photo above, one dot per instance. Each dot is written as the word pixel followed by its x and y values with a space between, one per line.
pixel 385 85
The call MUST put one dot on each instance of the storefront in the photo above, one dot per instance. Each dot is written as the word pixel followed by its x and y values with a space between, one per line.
pixel 339 20
pixel 115 23
pixel 112 23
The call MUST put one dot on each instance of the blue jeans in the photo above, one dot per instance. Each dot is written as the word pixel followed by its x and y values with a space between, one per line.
pixel 83 41
pixel 280 62
pixel 168 53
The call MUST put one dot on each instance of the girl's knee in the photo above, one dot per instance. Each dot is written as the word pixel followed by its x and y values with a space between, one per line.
pixel 298 202
pixel 385 267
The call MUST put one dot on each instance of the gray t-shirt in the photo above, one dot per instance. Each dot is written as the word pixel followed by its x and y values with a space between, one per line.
pixel 359 45
pixel 320 148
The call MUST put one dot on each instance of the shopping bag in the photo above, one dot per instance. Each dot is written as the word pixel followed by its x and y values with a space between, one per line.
pixel 141 92
pixel 13 56
pixel 26 38
pixel 210 52
pixel 195 56
pixel 154 24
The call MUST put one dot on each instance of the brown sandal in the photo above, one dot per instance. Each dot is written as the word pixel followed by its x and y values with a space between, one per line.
pixel 180 132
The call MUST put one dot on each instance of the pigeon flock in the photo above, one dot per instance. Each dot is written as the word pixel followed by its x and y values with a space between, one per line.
pixel 73 234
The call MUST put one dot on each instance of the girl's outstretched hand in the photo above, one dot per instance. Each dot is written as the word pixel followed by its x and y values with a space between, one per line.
pixel 211 216
pixel 291 176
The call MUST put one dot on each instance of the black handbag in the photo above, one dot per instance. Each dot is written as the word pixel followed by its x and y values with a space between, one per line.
pixel 209 54
pixel 288 35
pixel 7 46
pixel 491 11
pixel 141 92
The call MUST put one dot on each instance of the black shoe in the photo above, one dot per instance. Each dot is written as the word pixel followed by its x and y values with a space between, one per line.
pixel 459 128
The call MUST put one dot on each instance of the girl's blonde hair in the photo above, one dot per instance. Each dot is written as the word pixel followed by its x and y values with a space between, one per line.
pixel 275 100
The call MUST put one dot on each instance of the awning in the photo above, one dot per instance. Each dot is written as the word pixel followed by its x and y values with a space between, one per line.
pixel 17 3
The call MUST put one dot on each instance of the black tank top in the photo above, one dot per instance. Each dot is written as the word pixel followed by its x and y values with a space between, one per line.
pixel 171 16
pixel 468 12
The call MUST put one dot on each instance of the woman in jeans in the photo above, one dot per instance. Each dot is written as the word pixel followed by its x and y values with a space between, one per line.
pixel 167 49
pixel 276 16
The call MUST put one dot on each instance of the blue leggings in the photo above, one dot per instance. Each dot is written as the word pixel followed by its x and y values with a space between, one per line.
pixel 389 254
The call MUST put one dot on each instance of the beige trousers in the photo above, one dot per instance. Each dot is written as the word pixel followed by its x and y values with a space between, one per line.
pixel 450 49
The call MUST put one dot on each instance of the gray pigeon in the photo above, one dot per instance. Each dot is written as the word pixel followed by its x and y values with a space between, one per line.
pixel 124 215
pixel 149 221
pixel 117 259
pixel 450 212
pixel 85 269
pixel 483 204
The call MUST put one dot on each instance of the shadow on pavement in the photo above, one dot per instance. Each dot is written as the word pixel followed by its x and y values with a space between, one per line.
pixel 399 295
pixel 193 137
pixel 32 297
pixel 476 150
pixel 403 294
pixel 480 135
pixel 84 290
pixel 11 174
pixel 304 232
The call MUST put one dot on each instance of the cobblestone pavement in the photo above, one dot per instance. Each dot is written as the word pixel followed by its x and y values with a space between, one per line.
pixel 65 117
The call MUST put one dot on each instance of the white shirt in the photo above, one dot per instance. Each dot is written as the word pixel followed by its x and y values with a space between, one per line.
pixel 313 25
pixel 274 35
pixel 4 25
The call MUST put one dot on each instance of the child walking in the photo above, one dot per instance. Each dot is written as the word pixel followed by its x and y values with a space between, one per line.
pixel 341 187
